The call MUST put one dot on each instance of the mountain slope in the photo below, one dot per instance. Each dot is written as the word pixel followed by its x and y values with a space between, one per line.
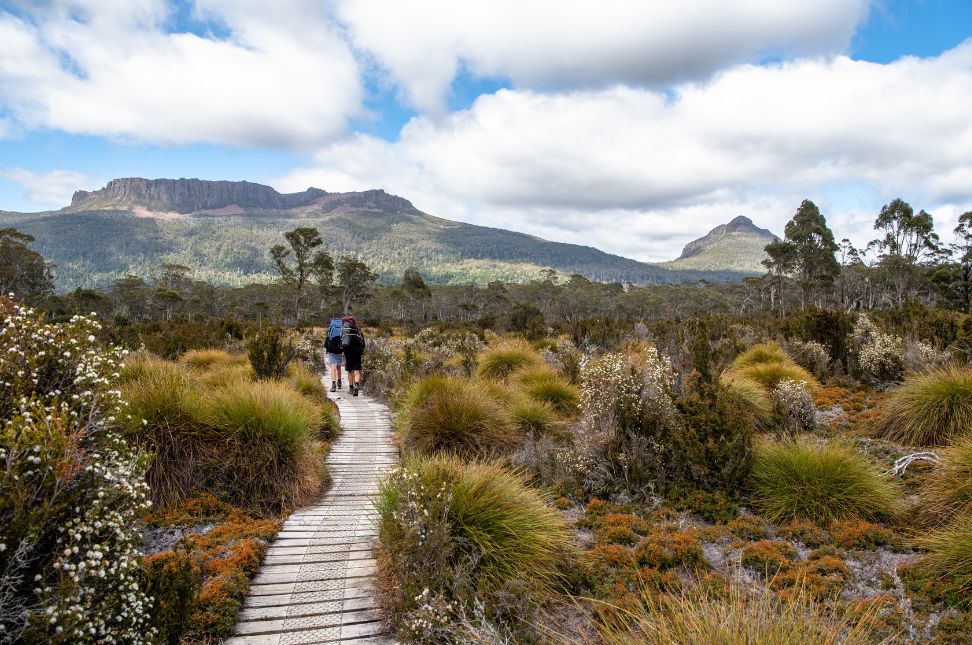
pixel 736 246
pixel 223 231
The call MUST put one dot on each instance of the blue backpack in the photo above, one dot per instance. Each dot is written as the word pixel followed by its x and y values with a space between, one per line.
pixel 334 330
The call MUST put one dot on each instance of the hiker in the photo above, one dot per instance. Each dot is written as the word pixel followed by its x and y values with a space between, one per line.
pixel 353 344
pixel 334 352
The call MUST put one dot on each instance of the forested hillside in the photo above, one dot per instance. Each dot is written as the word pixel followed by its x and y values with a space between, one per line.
pixel 122 230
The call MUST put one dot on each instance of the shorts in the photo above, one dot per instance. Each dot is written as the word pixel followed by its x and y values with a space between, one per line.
pixel 352 362
pixel 334 359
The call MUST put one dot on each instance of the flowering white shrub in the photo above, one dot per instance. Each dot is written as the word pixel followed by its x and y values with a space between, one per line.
pixel 920 356
pixel 70 488
pixel 810 355
pixel 880 356
pixel 794 406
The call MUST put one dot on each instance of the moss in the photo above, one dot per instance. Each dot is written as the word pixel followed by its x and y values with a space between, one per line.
pixel 711 506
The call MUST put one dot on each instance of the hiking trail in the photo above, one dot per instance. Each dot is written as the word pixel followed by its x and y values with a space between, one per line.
pixel 315 584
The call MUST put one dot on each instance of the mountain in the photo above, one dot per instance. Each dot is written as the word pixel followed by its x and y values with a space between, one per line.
pixel 224 229
pixel 736 246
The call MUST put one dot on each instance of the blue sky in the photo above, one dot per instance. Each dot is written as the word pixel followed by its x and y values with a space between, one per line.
pixel 498 116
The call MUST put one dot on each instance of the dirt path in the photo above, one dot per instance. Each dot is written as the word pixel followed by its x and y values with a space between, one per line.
pixel 315 585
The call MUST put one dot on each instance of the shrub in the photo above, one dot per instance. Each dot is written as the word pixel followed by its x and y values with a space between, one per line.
pixel 947 491
pixel 173 580
pixel 71 489
pixel 500 362
pixel 929 409
pixel 760 354
pixel 269 353
pixel 820 576
pixel 810 355
pixel 546 386
pixel 818 481
pixel 860 534
pixel 803 531
pixel 793 407
pixel 920 356
pixel 880 356
pixel 712 506
pixel 665 549
pixel 733 616
pixel 747 527
pixel 768 557
pixel 459 531
pixel 460 420
pixel 949 559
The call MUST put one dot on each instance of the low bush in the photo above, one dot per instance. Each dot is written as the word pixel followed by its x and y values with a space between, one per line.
pixel 711 506
pixel 748 527
pixel 803 531
pixel 510 356
pixel 732 616
pixel 810 355
pixel 949 560
pixel 71 488
pixel 821 576
pixel 459 419
pixel 173 580
pixel 929 409
pixel 269 352
pixel 452 532
pixel 860 534
pixel 793 407
pixel 947 491
pixel 818 481
pixel 665 549
pixel 768 557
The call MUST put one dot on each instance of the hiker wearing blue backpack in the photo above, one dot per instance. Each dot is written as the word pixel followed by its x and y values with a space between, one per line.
pixel 353 346
pixel 335 352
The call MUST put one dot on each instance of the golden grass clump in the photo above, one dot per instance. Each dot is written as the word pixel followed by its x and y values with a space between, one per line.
pixel 949 559
pixel 203 359
pixel 507 358
pixel 947 491
pixel 802 479
pixel 760 354
pixel 733 616
pixel 496 527
pixel 459 419
pixel 546 385
pixel 305 380
pixel 769 375
pixel 929 409
pixel 753 394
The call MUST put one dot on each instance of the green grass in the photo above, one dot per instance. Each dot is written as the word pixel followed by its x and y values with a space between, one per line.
pixel 500 362
pixel 265 410
pixel 802 479
pixel 546 385
pixel 929 409
pixel 753 394
pixel 947 491
pixel 305 380
pixel 760 354
pixel 950 559
pixel 534 416
pixel 458 419
pixel 204 359
pixel 733 616
pixel 499 529
pixel 770 374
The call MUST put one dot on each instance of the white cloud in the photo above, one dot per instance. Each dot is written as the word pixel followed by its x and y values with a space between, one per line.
pixel 631 171
pixel 53 188
pixel 113 69
pixel 577 43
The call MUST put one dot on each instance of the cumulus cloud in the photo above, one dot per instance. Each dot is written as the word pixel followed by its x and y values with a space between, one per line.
pixel 53 188
pixel 275 75
pixel 576 43
pixel 583 166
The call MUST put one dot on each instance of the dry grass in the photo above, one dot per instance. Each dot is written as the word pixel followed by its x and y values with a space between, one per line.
pixel 458 419
pixel 762 353
pixel 929 409
pixel 947 491
pixel 546 385
pixel 498 363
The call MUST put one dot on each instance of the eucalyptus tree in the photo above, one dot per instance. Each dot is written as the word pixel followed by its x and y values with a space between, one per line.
pixel 301 267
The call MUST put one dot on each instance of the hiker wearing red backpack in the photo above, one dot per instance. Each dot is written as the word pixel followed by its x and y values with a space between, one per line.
pixel 334 352
pixel 353 346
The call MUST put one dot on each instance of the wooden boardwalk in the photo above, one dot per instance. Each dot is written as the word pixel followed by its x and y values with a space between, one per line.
pixel 315 585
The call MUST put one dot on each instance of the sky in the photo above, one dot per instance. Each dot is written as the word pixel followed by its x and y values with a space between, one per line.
pixel 633 126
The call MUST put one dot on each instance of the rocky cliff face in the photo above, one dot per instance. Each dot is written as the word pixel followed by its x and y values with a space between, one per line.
pixel 189 195
pixel 739 226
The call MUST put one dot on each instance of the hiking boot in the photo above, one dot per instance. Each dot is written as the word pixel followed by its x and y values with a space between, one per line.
pixel 333 389
pixel 355 387
pixel 339 384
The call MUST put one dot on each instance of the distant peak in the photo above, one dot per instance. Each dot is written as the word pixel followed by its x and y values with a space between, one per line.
pixel 189 195
pixel 739 225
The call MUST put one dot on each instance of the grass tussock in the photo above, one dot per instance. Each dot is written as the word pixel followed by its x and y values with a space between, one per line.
pixel 802 479
pixel 458 419
pixel 929 409
pixel 947 492
pixel 204 359
pixel 754 395
pixel 949 559
pixel 253 444
pixel 733 616
pixel 769 375
pixel 480 519
pixel 760 354
pixel 534 416
pixel 305 380
pixel 546 385
pixel 511 356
